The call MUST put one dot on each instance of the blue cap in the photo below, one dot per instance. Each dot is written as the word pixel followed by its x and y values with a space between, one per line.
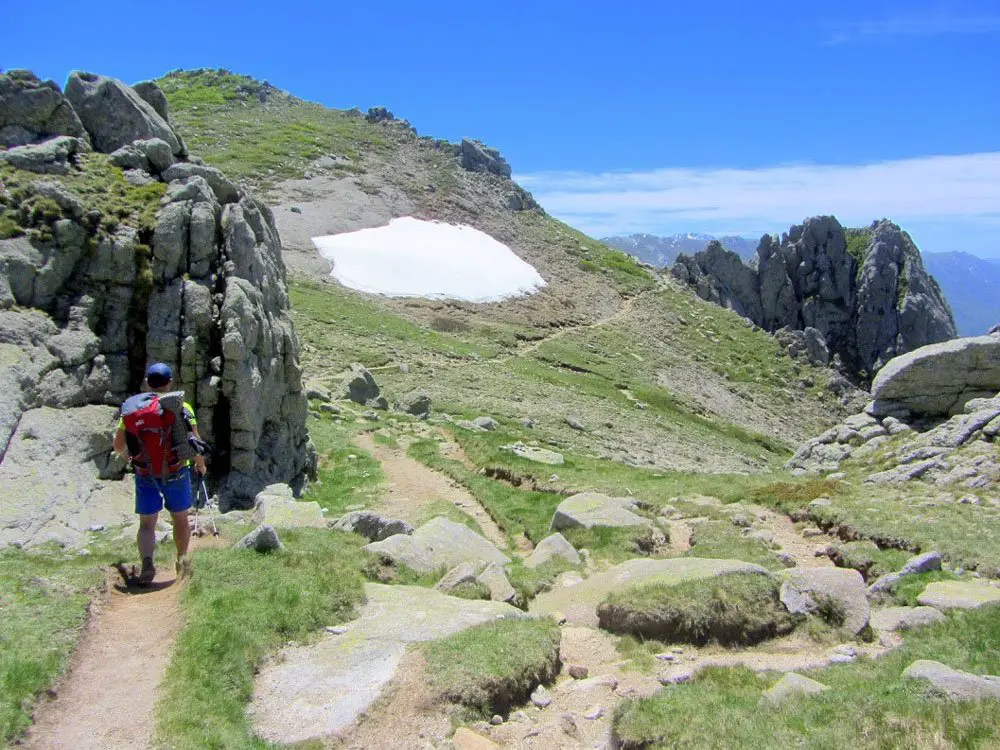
pixel 159 371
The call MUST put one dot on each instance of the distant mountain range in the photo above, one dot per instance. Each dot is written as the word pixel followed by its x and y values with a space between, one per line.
pixel 971 284
pixel 663 251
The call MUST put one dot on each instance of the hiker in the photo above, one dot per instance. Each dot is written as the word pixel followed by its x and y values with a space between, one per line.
pixel 160 449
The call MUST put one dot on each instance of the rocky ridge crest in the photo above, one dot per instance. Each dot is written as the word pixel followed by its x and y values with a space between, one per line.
pixel 865 292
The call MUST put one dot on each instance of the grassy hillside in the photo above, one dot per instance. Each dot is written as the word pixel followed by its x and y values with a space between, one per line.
pixel 657 377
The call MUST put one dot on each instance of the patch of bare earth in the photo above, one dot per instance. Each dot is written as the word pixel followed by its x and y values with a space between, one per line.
pixel 405 717
pixel 106 700
pixel 410 487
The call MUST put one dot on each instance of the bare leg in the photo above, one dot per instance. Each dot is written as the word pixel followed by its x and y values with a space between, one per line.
pixel 182 532
pixel 146 537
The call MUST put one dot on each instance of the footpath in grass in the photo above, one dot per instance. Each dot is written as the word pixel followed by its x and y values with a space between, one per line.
pixel 241 606
pixel 45 595
pixel 869 705
pixel 43 606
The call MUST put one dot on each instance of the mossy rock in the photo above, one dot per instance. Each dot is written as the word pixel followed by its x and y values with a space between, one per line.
pixel 733 609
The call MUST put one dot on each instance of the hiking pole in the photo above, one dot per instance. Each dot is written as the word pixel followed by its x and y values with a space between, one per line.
pixel 208 504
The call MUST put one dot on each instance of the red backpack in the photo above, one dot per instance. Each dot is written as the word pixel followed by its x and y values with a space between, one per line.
pixel 156 433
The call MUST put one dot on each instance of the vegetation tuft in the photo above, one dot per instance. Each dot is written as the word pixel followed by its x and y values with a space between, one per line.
pixel 493 666
pixel 721 540
pixel 739 608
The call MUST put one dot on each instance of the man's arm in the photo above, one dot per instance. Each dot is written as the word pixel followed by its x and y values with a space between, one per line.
pixel 192 425
pixel 119 443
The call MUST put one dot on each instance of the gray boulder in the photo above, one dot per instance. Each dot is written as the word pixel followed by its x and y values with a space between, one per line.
pixel 918 564
pixel 225 190
pixel 533 453
pixel 485 423
pixel 804 589
pixel 958 594
pixel 417 403
pixel 494 578
pixel 157 152
pixel 476 157
pixel 371 525
pixel 32 110
pixel 938 380
pixel 54 156
pixel 440 543
pixel 589 509
pixel 262 539
pixel 114 115
pixel 893 619
pixel 793 685
pixel 954 683
pixel 550 548
pixel 275 505
pixel 358 385
pixel 460 574
pixel 153 95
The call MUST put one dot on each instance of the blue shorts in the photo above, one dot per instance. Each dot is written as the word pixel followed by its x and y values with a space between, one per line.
pixel 151 493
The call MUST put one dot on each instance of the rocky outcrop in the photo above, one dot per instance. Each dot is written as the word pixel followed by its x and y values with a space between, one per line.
pixel 954 683
pixel 371 525
pixel 187 270
pixel 51 477
pixel 938 380
pixel 865 293
pixel 589 509
pixel 439 543
pixel 903 425
pixel 823 590
pixel 114 115
pixel 477 157
pixel 315 691
pixel 32 110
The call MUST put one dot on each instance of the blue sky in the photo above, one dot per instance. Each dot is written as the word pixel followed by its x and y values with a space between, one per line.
pixel 720 116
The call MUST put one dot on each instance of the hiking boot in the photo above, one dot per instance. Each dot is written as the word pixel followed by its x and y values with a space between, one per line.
pixel 148 572
pixel 183 566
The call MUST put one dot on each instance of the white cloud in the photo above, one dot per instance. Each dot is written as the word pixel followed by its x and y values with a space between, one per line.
pixel 924 25
pixel 958 191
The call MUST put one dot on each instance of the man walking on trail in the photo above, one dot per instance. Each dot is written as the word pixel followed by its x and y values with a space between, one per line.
pixel 162 469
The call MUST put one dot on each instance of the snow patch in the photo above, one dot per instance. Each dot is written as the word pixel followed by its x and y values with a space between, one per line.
pixel 415 258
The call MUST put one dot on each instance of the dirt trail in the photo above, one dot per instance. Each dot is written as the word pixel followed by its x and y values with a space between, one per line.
pixel 411 486
pixel 106 700
pixel 790 539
